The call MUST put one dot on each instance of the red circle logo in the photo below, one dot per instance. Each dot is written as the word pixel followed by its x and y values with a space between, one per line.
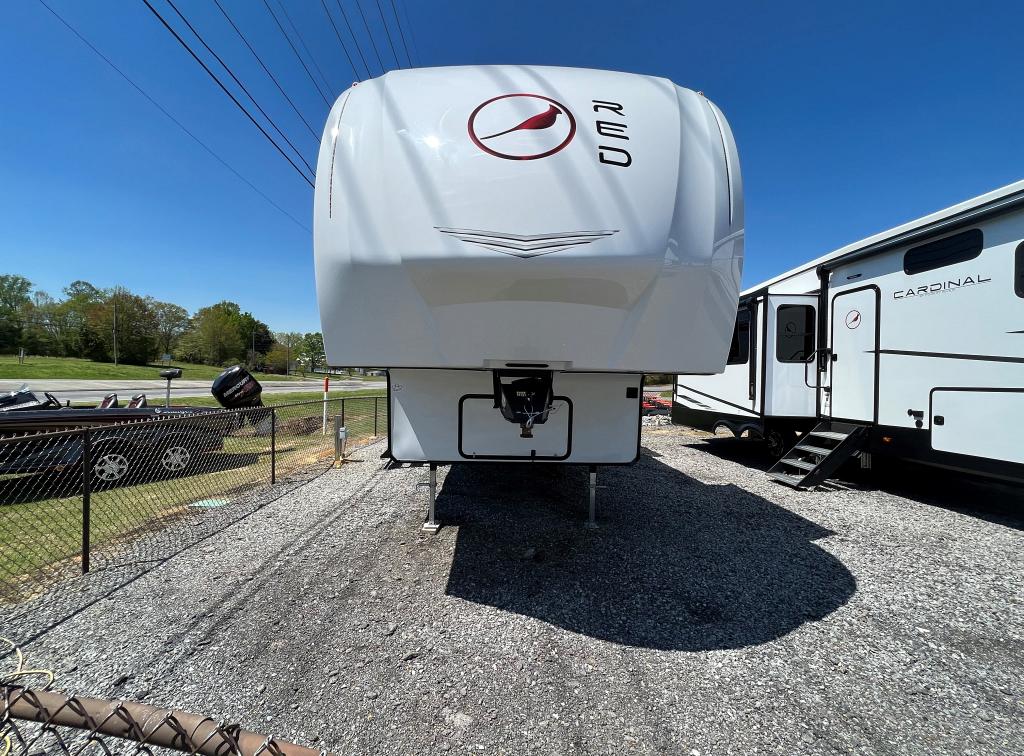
pixel 852 319
pixel 521 126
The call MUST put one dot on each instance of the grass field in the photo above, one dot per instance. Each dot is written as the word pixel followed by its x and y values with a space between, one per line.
pixel 48 368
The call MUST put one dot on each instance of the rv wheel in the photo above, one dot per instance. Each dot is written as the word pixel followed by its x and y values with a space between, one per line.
pixel 779 442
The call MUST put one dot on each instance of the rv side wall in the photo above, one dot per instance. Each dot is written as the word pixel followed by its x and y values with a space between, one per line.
pixel 449 416
pixel 939 332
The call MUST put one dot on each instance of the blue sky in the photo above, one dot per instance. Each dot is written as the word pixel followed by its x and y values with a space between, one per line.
pixel 850 118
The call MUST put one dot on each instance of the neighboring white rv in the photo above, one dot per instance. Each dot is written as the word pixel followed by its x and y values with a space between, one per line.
pixel 909 344
pixel 518 245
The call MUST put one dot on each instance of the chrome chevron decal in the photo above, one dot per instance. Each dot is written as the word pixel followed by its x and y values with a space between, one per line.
pixel 526 245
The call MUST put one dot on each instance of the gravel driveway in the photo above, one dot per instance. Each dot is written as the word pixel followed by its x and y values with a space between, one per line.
pixel 712 612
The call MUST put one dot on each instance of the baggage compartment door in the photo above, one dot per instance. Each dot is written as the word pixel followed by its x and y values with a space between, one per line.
pixel 978 422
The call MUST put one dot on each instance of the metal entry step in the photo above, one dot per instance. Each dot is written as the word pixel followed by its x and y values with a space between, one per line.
pixel 807 465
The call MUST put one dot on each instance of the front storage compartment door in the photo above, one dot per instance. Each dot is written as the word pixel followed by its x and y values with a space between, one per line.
pixel 485 434
pixel 979 422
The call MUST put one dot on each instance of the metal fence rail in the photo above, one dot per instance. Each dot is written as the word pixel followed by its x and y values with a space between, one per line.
pixel 87 498
pixel 37 720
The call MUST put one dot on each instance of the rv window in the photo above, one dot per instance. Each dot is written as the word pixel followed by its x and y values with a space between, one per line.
pixel 1018 271
pixel 949 251
pixel 739 351
pixel 794 333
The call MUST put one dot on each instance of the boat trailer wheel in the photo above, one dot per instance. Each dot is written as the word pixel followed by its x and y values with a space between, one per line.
pixel 110 467
pixel 175 458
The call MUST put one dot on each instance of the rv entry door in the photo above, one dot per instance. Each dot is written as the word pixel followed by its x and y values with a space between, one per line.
pixel 854 360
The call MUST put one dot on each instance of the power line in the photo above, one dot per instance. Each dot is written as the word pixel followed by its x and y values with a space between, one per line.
pixel 174 120
pixel 267 70
pixel 303 43
pixel 338 35
pixel 398 22
pixel 292 46
pixel 242 86
pixel 387 31
pixel 226 91
pixel 355 39
pixel 412 32
pixel 370 35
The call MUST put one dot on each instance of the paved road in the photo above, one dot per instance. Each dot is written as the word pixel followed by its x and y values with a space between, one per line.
pixel 88 391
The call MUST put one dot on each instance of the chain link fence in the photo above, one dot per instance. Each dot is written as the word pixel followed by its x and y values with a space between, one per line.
pixel 36 719
pixel 82 499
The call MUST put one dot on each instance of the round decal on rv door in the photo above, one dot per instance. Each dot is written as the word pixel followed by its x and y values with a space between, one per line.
pixel 852 319
pixel 521 126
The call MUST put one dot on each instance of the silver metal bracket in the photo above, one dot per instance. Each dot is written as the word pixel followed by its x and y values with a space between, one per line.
pixel 591 522
pixel 431 525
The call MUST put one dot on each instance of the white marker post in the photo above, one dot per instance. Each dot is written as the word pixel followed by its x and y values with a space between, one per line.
pixel 327 385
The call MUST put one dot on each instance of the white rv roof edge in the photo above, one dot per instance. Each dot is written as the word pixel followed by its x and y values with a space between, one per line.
pixel 963 207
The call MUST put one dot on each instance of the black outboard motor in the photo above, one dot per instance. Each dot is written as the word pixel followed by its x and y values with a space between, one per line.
pixel 526 399
pixel 235 388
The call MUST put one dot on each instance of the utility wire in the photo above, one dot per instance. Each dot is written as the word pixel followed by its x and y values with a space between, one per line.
pixel 242 87
pixel 387 31
pixel 370 35
pixel 226 91
pixel 340 42
pixel 398 22
pixel 267 70
pixel 355 39
pixel 304 46
pixel 292 46
pixel 412 32
pixel 174 120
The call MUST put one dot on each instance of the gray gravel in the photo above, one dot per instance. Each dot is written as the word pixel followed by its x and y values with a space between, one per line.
pixel 712 612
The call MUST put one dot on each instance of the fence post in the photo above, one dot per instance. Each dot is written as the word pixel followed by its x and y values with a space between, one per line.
pixel 86 496
pixel 375 417
pixel 273 445
pixel 342 410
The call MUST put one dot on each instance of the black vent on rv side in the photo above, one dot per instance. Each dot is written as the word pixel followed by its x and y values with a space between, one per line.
pixel 949 251
pixel 235 388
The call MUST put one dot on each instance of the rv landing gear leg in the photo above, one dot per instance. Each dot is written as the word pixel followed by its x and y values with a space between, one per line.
pixel 592 517
pixel 432 525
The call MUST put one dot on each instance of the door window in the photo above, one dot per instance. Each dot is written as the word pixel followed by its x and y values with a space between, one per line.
pixel 794 333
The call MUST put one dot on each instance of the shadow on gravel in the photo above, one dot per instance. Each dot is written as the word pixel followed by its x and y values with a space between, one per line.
pixel 972 495
pixel 675 565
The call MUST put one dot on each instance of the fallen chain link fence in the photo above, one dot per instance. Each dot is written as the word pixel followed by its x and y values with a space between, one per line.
pixel 37 720
pixel 83 499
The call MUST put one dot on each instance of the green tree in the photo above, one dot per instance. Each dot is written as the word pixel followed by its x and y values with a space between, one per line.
pixel 82 316
pixel 130 320
pixel 171 322
pixel 216 331
pixel 14 299
pixel 311 350
pixel 291 341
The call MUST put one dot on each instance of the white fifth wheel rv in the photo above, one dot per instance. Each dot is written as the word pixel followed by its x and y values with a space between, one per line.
pixel 908 344
pixel 518 245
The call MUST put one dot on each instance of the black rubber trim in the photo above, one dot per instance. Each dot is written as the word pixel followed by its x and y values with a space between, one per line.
pixel 952 356
pixel 752 412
